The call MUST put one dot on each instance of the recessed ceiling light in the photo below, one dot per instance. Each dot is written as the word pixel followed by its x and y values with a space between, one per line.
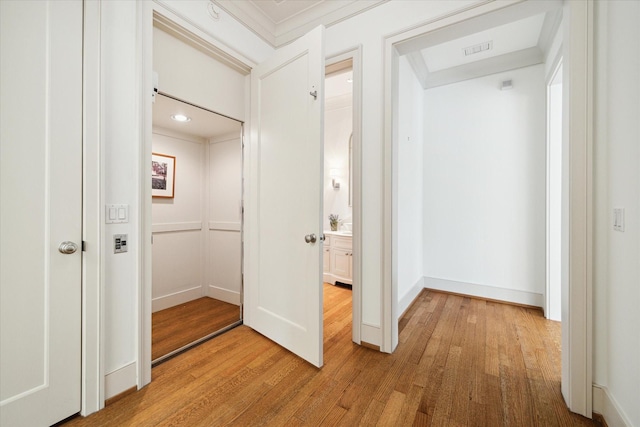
pixel 181 118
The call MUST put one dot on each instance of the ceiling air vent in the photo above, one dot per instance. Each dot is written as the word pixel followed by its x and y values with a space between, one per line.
pixel 471 50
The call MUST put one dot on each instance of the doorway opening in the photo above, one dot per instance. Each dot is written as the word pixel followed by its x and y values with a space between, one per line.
pixel 576 21
pixel 338 215
pixel 342 181
pixel 195 139
pixel 197 225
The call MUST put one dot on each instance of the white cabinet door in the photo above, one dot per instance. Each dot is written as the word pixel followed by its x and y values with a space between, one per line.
pixel 326 260
pixel 40 187
pixel 341 264
pixel 283 290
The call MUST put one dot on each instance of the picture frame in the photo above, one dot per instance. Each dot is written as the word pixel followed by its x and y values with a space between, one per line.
pixel 163 175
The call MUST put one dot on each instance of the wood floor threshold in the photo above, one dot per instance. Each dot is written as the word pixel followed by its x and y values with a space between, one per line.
pixel 193 344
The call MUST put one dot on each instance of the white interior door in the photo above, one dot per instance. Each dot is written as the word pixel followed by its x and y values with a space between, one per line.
pixel 40 184
pixel 283 286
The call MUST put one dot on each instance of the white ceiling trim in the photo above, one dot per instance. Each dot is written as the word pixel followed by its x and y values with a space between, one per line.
pixel 325 13
pixel 171 27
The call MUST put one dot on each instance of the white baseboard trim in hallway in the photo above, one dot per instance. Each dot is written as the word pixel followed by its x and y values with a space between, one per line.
pixel 484 291
pixel 120 380
pixel 407 299
pixel 605 405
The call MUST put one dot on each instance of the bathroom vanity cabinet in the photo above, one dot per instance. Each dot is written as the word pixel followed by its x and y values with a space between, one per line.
pixel 337 258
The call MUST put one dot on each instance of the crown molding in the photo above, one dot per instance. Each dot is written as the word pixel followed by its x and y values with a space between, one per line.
pixel 277 34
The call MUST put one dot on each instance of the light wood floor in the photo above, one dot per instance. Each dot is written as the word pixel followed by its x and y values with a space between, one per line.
pixel 460 362
pixel 178 326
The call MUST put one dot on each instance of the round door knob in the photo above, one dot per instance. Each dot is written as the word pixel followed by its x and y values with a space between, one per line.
pixel 67 248
pixel 310 238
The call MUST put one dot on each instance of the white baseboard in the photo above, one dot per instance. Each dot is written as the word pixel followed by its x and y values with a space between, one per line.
pixel 120 380
pixel 171 300
pixel 225 295
pixel 406 300
pixel 484 291
pixel 605 405
pixel 371 334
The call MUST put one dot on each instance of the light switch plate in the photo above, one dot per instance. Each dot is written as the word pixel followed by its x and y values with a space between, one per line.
pixel 116 214
pixel 618 219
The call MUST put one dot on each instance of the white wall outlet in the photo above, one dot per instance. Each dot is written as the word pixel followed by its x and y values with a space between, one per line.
pixel 120 243
pixel 116 214
pixel 618 219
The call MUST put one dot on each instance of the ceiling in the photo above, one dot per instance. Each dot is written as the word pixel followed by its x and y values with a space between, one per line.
pixel 513 39
pixel 504 39
pixel 204 124
pixel 279 22
pixel 338 84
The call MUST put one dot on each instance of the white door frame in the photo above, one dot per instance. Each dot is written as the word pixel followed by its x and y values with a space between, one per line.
pixel 150 12
pixel 578 41
pixel 93 233
pixel 355 54
pixel 549 298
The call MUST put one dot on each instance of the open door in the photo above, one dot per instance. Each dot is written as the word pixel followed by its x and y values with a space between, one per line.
pixel 283 234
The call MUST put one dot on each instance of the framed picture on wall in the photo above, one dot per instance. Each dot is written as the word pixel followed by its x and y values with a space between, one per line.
pixel 163 175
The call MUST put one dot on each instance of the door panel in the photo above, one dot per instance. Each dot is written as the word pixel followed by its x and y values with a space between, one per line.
pixel 40 184
pixel 284 286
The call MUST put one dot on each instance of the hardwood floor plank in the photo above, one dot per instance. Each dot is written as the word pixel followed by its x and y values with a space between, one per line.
pixel 410 406
pixel 392 409
pixel 178 326
pixel 462 362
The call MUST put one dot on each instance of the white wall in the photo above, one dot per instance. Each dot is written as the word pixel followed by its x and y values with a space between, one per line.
pixel 177 224
pixel 225 192
pixel 120 142
pixel 197 241
pixel 617 183
pixel 484 186
pixel 410 186
pixel 192 76
pixel 338 126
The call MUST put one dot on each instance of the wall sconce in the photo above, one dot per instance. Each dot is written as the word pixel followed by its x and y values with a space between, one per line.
pixel 334 174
